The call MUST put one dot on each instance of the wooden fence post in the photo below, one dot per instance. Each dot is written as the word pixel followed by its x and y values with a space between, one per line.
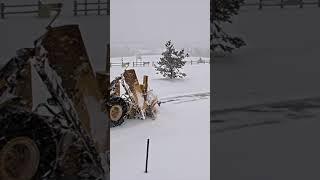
pixel 75 8
pixel 39 7
pixel 301 3
pixel 108 63
pixel 281 3
pixel 85 7
pixel 2 10
pixel 260 4
pixel 98 7
pixel 108 8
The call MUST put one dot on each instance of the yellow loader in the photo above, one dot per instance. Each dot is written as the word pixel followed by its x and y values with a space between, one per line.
pixel 137 100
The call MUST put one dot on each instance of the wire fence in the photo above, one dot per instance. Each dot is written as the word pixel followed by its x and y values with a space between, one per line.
pixel 260 4
pixel 36 8
pixel 85 8
pixel 153 64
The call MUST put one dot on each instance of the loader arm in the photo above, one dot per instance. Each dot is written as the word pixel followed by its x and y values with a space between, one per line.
pixel 66 53
pixel 58 94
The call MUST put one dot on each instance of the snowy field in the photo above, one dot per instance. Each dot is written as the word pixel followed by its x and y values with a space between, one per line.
pixel 179 137
pixel 280 62
pixel 252 136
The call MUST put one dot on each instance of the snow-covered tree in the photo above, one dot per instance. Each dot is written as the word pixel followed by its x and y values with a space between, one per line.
pixel 171 62
pixel 222 12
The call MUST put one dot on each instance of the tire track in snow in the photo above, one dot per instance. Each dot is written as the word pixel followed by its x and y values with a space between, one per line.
pixel 245 125
pixel 185 98
pixel 294 105
pixel 255 115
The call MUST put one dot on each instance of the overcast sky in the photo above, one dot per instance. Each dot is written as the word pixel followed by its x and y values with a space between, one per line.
pixel 152 22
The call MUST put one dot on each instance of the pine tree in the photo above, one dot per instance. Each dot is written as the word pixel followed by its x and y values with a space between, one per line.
pixel 171 63
pixel 222 12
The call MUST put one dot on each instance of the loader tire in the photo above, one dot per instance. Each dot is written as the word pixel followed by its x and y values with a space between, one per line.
pixel 27 145
pixel 117 110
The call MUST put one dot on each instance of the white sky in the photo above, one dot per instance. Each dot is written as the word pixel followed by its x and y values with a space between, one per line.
pixel 152 22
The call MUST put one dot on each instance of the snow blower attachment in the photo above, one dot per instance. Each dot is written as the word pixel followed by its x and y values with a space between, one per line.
pixel 136 102
pixel 68 134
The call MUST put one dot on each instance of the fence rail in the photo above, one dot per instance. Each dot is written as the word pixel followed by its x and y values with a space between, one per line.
pixel 99 7
pixel 280 3
pixel 23 8
pixel 198 62
pixel 148 63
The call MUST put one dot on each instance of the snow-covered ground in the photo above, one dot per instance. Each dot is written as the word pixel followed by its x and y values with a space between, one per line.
pixel 274 141
pixel 179 137
pixel 281 62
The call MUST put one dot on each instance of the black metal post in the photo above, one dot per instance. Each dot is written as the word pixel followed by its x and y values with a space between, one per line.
pixel 260 4
pixel 85 7
pixel 98 7
pixel 75 8
pixel 39 7
pixel 108 59
pixel 147 157
pixel 2 10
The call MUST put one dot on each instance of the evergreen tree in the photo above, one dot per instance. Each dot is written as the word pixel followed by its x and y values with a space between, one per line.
pixel 171 63
pixel 222 12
